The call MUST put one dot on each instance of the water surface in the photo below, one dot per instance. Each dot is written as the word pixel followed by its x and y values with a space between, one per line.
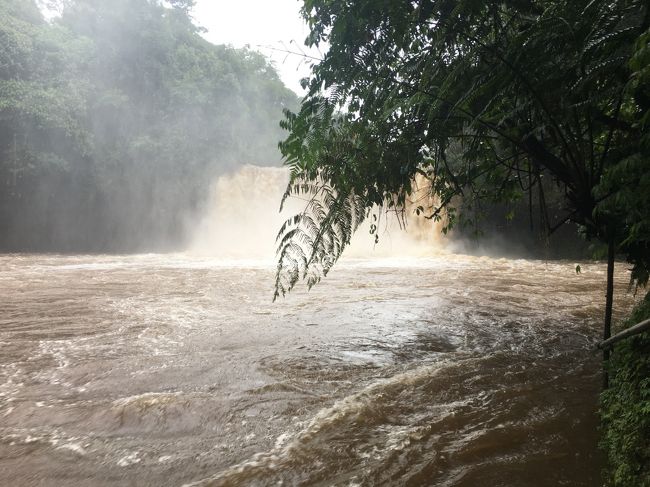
pixel 172 370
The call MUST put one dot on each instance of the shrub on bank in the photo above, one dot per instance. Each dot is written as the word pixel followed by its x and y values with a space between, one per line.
pixel 625 408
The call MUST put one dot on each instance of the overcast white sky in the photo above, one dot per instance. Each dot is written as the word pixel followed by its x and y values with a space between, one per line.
pixel 263 25
pixel 268 26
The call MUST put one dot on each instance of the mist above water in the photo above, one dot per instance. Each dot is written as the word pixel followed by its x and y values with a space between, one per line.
pixel 243 218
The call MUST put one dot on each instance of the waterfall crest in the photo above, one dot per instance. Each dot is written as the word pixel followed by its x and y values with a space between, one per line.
pixel 243 218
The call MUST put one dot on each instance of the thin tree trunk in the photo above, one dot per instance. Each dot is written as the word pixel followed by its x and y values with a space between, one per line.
pixel 609 298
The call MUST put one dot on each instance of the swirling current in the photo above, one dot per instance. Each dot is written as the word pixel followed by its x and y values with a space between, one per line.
pixel 174 370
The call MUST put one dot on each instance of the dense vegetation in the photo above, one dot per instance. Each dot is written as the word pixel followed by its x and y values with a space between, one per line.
pixel 115 117
pixel 626 408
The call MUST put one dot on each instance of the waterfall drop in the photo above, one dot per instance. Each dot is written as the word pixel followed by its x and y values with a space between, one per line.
pixel 243 218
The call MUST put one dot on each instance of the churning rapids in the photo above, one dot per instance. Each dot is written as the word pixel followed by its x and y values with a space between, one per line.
pixel 445 370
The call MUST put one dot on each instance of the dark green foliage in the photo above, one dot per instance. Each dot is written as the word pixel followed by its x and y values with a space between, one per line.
pixel 114 120
pixel 625 187
pixel 490 101
pixel 625 408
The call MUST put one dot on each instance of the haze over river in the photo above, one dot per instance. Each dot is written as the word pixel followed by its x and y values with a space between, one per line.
pixel 176 369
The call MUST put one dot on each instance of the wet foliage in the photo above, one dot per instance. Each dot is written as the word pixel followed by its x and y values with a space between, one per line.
pixel 493 102
pixel 114 119
pixel 625 408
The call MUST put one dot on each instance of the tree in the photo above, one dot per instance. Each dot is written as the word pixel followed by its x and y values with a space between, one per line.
pixel 114 119
pixel 488 100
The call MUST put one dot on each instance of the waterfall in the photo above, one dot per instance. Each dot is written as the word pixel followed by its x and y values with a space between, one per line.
pixel 243 218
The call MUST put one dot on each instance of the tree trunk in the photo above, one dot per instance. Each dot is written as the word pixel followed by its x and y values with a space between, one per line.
pixel 609 298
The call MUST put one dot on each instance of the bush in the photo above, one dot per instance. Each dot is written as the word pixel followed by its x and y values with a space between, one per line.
pixel 625 408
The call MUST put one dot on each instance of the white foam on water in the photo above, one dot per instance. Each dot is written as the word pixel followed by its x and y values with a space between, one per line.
pixel 352 405
pixel 129 459
pixel 147 399
pixel 74 447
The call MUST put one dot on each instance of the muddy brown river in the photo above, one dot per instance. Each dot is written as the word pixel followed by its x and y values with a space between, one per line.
pixel 171 370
